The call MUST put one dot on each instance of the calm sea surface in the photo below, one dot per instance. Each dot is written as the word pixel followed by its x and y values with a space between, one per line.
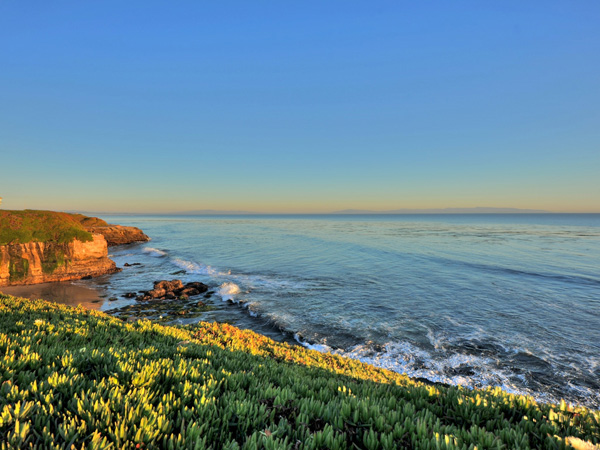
pixel 476 300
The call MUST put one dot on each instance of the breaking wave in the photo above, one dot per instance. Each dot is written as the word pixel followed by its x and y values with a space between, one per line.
pixel 197 269
pixel 460 369
pixel 154 252
pixel 228 290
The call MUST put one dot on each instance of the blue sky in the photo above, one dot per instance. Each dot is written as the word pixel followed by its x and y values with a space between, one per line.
pixel 299 106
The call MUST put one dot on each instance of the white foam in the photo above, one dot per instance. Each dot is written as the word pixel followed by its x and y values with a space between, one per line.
pixel 318 347
pixel 406 358
pixel 228 290
pixel 195 268
pixel 249 281
pixel 154 252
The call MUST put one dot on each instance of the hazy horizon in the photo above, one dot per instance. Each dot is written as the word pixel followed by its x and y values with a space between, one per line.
pixel 300 108
pixel 432 211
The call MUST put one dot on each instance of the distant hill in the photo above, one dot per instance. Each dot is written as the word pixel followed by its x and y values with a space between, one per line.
pixel 477 210
pixel 201 212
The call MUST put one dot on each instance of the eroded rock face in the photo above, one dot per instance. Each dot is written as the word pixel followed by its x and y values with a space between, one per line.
pixel 119 234
pixel 42 262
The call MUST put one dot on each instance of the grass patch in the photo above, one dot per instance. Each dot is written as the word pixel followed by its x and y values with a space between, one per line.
pixel 69 376
pixel 21 227
pixel 18 268
pixel 54 257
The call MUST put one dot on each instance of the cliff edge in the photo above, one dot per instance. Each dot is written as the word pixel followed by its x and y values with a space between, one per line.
pixel 48 246
pixel 114 234
pixel 42 262
pixel 119 234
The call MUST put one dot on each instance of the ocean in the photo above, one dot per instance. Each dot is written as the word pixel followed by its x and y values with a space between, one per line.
pixel 472 300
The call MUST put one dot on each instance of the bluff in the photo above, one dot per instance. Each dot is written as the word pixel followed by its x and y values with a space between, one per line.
pixel 47 246
pixel 42 262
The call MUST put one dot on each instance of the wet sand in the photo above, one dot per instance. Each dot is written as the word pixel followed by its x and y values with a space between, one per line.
pixel 66 293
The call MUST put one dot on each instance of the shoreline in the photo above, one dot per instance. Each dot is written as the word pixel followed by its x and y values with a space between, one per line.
pixel 73 295
pixel 235 388
pixel 62 292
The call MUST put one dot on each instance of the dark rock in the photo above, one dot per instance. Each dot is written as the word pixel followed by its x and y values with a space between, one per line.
pixel 201 287
pixel 179 272
pixel 87 277
pixel 189 291
pixel 157 292
pixel 132 264
pixel 201 303
pixel 171 290
pixel 112 299
pixel 129 295
pixel 168 285
pixel 208 294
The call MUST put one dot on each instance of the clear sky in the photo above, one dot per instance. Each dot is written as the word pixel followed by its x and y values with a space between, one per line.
pixel 299 106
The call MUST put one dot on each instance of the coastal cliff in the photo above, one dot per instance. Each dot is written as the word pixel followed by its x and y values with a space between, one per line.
pixel 42 262
pixel 119 234
pixel 46 246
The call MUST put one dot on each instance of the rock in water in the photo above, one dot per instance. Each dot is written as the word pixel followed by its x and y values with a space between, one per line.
pixel 171 290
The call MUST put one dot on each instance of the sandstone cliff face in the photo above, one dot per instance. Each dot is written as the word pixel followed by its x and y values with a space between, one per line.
pixel 119 234
pixel 41 262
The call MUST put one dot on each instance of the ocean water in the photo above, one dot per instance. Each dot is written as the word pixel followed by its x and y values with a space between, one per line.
pixel 474 300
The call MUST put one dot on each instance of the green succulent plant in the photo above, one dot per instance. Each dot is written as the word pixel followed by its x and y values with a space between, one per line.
pixel 74 378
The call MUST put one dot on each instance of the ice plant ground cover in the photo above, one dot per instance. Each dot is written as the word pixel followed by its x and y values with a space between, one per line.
pixel 74 378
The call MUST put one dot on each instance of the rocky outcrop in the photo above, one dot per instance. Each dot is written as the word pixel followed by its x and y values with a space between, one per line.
pixel 119 234
pixel 41 262
pixel 171 290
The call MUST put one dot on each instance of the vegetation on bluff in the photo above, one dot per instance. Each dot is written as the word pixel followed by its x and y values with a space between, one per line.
pixel 73 378
pixel 21 227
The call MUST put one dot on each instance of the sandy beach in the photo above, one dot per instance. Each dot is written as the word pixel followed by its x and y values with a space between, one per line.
pixel 66 293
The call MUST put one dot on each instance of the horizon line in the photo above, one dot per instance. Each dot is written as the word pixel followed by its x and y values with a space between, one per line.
pixel 444 211
pixel 403 211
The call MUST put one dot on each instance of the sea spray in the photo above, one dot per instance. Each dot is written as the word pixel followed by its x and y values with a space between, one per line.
pixel 228 290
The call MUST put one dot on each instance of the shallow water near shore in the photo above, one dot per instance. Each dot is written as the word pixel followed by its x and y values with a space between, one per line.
pixel 476 300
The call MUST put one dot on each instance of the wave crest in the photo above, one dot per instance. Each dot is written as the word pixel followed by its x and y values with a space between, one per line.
pixel 154 252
